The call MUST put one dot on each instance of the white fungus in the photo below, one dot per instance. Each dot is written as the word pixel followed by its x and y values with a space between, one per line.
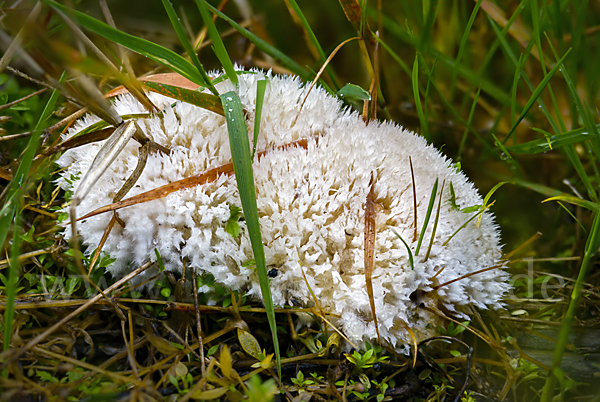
pixel 311 203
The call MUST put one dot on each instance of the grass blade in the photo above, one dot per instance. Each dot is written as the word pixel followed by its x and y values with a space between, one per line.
pixel 187 45
pixel 146 48
pixel 219 47
pixel 261 86
pixel 203 100
pixel 591 248
pixel 551 142
pixel 428 215
pixel 435 224
pixel 242 165
pixel 10 212
pixel 463 141
pixel 314 40
pixel 463 46
pixel 104 158
pixel 536 94
pixel 410 255
pixel 264 46
pixel 415 84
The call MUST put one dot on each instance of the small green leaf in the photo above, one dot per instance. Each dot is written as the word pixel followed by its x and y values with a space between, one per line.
pixel 249 343
pixel 159 260
pixel 233 227
pixel 353 93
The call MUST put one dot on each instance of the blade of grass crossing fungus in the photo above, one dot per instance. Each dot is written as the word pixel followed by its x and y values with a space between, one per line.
pixel 146 48
pixel 415 85
pixel 427 216
pixel 242 164
pixel 201 99
pixel 410 255
pixel 219 47
pixel 591 248
pixel 264 46
pixel 314 40
pixel 261 86
pixel 462 47
pixel 10 212
pixel 435 223
pixel 187 45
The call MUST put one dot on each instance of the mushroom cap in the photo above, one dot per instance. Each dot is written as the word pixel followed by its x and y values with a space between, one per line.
pixel 311 203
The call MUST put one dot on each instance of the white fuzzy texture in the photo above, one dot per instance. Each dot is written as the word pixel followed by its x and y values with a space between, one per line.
pixel 311 204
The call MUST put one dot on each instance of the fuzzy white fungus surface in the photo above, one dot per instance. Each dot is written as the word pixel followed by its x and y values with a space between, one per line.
pixel 311 204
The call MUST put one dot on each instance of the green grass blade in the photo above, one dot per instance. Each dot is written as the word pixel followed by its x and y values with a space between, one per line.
pixel 513 98
pixel 463 46
pixel 203 100
pixel 584 112
pixel 415 85
pixel 554 194
pixel 591 248
pixel 10 212
pixel 445 102
pixel 551 142
pixel 312 37
pixel 396 30
pixel 463 141
pixel 261 86
pixel 242 165
pixel 146 48
pixel 435 224
pixel 410 255
pixel 264 46
pixel 219 47
pixel 427 216
pixel 187 45
pixel 536 94
pixel 397 58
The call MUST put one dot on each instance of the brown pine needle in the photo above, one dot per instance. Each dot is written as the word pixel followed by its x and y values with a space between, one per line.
pixel 208 176
pixel 370 230
pixel 333 53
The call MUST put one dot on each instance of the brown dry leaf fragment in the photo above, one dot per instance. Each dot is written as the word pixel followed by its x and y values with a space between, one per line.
pixel 210 394
pixel 78 141
pixel 370 229
pixel 162 345
pixel 207 177
pixel 200 99
pixel 168 78
pixel 226 362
